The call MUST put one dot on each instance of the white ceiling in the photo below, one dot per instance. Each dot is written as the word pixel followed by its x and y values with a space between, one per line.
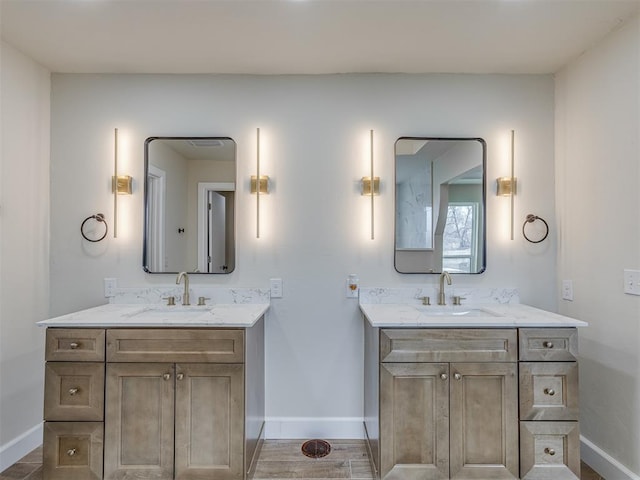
pixel 308 36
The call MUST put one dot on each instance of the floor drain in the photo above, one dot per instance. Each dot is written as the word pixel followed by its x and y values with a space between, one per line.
pixel 316 448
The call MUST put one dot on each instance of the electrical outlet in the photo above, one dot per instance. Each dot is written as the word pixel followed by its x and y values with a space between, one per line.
pixel 353 289
pixel 110 285
pixel 567 290
pixel 276 287
pixel 632 282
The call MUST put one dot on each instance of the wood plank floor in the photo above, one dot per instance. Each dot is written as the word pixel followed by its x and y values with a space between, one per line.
pixel 279 460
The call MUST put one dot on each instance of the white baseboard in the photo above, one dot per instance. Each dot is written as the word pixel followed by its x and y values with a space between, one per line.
pixel 314 427
pixel 17 448
pixel 603 463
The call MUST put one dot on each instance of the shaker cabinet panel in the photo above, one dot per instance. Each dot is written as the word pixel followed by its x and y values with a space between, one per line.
pixel 72 451
pixel 414 421
pixel 75 345
pixel 448 345
pixel 139 421
pixel 549 391
pixel 548 344
pixel 550 450
pixel 175 345
pixel 74 391
pixel 484 421
pixel 209 421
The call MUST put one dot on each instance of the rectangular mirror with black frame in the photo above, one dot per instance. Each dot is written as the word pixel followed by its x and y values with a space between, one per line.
pixel 440 205
pixel 189 197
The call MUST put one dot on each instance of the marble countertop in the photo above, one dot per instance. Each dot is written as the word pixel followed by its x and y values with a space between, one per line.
pixel 156 315
pixel 479 315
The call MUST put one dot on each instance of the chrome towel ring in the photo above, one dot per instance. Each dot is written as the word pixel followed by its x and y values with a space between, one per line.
pixel 530 219
pixel 98 217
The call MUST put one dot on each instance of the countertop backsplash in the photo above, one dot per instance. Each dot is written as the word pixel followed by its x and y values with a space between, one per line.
pixel 469 295
pixel 214 295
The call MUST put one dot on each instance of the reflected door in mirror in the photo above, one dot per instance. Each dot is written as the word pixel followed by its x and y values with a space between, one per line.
pixel 189 205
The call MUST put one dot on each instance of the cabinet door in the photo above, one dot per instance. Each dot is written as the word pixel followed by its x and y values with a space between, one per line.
pixel 209 421
pixel 139 421
pixel 484 421
pixel 414 421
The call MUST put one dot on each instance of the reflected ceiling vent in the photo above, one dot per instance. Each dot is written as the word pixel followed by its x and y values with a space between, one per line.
pixel 205 142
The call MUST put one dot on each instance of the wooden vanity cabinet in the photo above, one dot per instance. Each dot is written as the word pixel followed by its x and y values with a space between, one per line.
pixel 549 431
pixel 472 403
pixel 73 404
pixel 448 404
pixel 178 403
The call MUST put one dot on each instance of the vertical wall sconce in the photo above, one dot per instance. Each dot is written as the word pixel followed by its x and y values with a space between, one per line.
pixel 259 183
pixel 371 186
pixel 120 184
pixel 508 186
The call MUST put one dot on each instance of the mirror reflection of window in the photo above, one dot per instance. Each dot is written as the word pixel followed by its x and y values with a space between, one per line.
pixel 189 205
pixel 440 195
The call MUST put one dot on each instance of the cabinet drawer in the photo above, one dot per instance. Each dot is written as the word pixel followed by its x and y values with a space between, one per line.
pixel 175 345
pixel 549 391
pixel 549 450
pixel 75 345
pixel 448 345
pixel 74 391
pixel 548 344
pixel 72 451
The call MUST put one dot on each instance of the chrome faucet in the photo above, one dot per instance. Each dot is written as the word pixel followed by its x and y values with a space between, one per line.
pixel 185 295
pixel 441 298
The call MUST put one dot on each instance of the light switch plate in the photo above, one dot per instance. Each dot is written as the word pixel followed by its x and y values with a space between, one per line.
pixel 110 285
pixel 567 290
pixel 276 287
pixel 632 282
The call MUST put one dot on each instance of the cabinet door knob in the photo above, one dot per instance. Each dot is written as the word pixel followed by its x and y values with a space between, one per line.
pixel 444 376
pixel 180 376
pixel 74 345
pixel 457 376
pixel 71 452
pixel 547 344
pixel 549 391
pixel 166 376
pixel 549 451
pixel 73 391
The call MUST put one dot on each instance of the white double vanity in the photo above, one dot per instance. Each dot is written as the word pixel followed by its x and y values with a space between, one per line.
pixel 139 389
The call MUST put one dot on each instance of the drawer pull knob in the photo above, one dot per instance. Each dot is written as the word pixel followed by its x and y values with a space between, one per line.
pixel 444 376
pixel 549 451
pixel 166 376
pixel 547 344
pixel 74 345
pixel 549 391
pixel 457 376
pixel 73 391
pixel 71 452
pixel 180 376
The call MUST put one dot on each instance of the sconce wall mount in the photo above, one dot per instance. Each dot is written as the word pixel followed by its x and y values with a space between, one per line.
pixel 366 185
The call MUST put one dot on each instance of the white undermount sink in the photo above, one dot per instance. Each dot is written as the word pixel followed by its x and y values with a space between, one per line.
pixel 453 311
pixel 171 310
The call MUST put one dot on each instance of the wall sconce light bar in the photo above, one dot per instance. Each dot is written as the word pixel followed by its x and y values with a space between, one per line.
pixel 259 187
pixel 264 184
pixel 508 186
pixel 366 186
pixel 120 184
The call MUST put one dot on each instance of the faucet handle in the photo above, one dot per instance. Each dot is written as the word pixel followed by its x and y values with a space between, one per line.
pixel 457 300
pixel 170 300
pixel 426 301
pixel 201 300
